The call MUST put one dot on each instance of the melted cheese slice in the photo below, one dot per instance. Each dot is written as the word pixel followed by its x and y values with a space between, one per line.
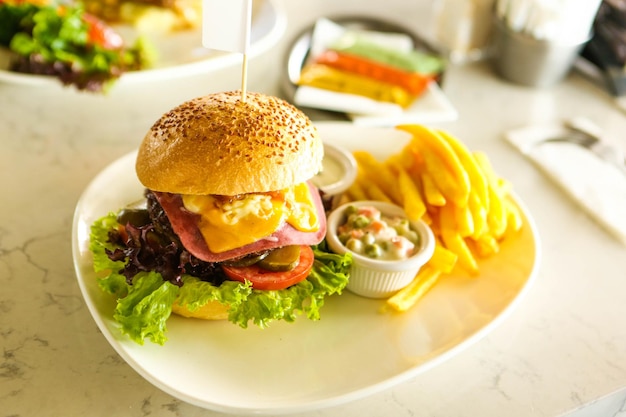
pixel 227 225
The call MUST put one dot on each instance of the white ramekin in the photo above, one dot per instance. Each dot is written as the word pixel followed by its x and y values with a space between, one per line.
pixel 380 278
pixel 334 184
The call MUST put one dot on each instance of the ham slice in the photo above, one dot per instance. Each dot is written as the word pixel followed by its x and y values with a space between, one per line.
pixel 185 225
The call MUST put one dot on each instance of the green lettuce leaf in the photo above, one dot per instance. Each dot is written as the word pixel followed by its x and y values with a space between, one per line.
pixel 14 19
pixel 144 307
pixel 110 282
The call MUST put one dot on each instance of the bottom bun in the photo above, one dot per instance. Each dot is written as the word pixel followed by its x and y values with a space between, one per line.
pixel 213 310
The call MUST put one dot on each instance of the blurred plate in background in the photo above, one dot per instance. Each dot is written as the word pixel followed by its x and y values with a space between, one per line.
pixel 431 107
pixel 180 54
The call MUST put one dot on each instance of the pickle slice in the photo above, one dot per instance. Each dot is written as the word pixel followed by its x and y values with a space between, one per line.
pixel 281 259
pixel 248 259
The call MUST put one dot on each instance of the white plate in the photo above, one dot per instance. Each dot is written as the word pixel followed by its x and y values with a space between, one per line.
pixel 353 351
pixel 432 106
pixel 181 54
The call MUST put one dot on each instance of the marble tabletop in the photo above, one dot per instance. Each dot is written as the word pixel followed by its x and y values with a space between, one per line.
pixel 561 351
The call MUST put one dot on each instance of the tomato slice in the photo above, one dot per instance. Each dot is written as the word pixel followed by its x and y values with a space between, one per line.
pixel 262 279
pixel 102 34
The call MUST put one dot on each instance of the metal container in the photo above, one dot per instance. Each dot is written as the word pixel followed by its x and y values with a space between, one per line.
pixel 525 60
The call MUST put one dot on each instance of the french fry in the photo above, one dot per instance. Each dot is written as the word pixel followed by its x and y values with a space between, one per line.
pixel 431 192
pixel 444 180
pixel 426 218
pixel 486 245
pixel 514 217
pixel 409 295
pixel 504 186
pixel 443 259
pixel 477 179
pixel 479 216
pixel 485 166
pixel 433 213
pixel 496 217
pixel 356 191
pixel 391 182
pixel 411 198
pixel 374 192
pixel 431 139
pixel 454 241
pixel 447 220
pixel 365 189
pixel 379 173
pixel 434 149
pixel 457 244
pixel 406 158
pixel 464 221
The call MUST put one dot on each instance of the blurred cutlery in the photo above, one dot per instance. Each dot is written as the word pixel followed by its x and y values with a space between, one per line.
pixel 591 141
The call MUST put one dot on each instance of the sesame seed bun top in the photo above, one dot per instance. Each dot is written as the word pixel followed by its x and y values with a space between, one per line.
pixel 219 144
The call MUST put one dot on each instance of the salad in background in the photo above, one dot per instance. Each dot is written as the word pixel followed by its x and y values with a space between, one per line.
pixel 149 15
pixel 62 40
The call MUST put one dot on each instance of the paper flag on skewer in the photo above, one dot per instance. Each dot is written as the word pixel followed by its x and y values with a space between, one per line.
pixel 226 25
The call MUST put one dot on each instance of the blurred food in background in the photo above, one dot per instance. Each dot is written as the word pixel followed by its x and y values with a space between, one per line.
pixel 368 70
pixel 61 40
pixel 380 66
pixel 58 42
pixel 149 15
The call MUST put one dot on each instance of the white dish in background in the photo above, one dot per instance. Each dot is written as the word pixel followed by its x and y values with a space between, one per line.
pixel 180 54
pixel 432 106
pixel 352 352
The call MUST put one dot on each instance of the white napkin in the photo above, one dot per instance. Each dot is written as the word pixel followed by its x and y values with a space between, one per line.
pixel 597 186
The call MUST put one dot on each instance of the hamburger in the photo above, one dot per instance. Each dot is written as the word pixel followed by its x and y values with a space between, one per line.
pixel 231 226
